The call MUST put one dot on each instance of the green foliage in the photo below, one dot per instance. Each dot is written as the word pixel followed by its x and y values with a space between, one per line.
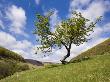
pixel 99 49
pixel 97 69
pixel 70 31
pixel 23 67
pixel 6 69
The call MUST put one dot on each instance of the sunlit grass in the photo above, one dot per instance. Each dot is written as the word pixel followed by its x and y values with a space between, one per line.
pixel 96 69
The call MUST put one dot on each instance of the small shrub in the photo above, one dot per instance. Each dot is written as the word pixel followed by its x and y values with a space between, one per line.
pixel 9 67
pixel 23 67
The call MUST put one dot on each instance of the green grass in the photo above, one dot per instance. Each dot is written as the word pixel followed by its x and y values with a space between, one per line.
pixel 96 69
pixel 11 62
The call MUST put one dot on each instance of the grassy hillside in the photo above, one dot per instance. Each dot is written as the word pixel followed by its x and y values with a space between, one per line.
pixel 10 63
pixel 97 69
pixel 99 49
pixel 7 54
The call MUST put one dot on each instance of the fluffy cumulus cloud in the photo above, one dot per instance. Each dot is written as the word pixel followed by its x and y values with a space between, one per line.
pixel 75 4
pixel 54 19
pixel 17 16
pixel 93 9
pixel 99 7
pixel 23 47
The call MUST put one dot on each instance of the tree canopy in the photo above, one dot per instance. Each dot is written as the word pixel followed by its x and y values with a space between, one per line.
pixel 73 30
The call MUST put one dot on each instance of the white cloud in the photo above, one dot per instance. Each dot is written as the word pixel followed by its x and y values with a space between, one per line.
pixel 24 44
pixel 1 21
pixel 99 7
pixel 99 31
pixel 24 47
pixel 1 24
pixel 93 9
pixel 54 19
pixel 10 41
pixel 75 4
pixel 37 2
pixel 18 18
pixel 106 28
pixel 7 40
pixel 51 58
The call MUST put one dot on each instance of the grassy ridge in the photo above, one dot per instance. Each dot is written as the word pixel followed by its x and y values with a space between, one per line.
pixel 97 69
pixel 99 49
pixel 7 54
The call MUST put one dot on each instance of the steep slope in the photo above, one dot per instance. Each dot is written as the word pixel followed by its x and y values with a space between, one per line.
pixel 99 49
pixel 97 69
pixel 7 54
pixel 10 63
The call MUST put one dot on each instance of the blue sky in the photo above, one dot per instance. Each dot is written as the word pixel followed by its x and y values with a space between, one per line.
pixel 17 19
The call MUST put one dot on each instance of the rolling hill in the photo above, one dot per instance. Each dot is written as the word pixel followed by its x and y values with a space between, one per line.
pixel 7 54
pixel 11 62
pixel 99 49
pixel 95 69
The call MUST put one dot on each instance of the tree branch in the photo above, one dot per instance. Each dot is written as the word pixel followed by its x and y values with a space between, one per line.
pixel 70 46
pixel 64 45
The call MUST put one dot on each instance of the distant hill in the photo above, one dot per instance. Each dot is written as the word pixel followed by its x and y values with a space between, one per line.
pixel 99 49
pixel 34 62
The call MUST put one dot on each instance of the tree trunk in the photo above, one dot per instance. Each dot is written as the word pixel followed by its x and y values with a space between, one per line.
pixel 68 54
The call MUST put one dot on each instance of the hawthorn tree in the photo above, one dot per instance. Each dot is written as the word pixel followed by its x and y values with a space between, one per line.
pixel 74 30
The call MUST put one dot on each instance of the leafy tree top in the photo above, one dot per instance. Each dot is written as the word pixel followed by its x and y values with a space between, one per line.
pixel 70 31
